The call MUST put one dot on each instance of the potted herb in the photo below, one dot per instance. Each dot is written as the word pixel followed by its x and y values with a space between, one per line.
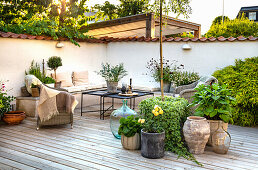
pixel 129 130
pixel 155 69
pixel 153 135
pixel 214 103
pixel 34 90
pixel 112 75
pixel 54 62
pixel 10 117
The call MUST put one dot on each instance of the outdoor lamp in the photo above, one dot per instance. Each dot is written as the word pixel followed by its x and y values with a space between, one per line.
pixel 59 45
pixel 186 47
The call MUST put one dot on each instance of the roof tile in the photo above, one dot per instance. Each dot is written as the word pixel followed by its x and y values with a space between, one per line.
pixel 251 38
pixel 231 39
pixel 221 38
pixel 202 39
pixel 186 39
pixel 241 38
pixel 194 39
pixel 178 39
pixel 212 39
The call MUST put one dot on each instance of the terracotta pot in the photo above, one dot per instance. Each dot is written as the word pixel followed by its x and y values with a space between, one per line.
pixel 35 92
pixel 196 132
pixel 131 143
pixel 214 125
pixel 152 145
pixel 112 87
pixel 14 117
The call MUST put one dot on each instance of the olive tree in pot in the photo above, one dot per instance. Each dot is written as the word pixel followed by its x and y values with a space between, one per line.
pixel 54 62
pixel 130 129
pixel 153 135
pixel 213 102
pixel 112 75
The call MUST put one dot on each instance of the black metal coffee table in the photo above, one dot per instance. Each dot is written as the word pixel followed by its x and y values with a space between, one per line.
pixel 104 94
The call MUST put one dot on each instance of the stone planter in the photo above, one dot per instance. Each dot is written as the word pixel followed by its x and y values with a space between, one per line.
pixel 166 87
pixel 196 132
pixel 131 143
pixel 214 125
pixel 14 117
pixel 152 145
pixel 112 87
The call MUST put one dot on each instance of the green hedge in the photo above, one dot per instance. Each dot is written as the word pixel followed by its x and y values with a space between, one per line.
pixel 174 116
pixel 242 78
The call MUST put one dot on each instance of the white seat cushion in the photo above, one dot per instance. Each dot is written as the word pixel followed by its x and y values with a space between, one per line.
pixel 80 78
pixel 65 78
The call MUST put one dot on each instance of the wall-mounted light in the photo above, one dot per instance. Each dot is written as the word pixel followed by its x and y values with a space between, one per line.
pixel 186 47
pixel 59 45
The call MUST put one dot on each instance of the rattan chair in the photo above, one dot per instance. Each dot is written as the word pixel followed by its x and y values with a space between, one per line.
pixel 65 115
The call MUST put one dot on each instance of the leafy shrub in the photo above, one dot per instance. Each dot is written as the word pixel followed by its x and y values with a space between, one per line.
pixel 5 100
pixel 180 78
pixel 235 28
pixel 175 112
pixel 242 78
pixel 129 126
pixel 54 62
pixel 213 102
pixel 35 70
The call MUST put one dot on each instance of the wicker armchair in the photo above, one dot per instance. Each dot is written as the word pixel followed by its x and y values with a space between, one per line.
pixel 65 115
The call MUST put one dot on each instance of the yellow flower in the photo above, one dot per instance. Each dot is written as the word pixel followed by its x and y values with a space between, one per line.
pixel 161 111
pixel 156 113
pixel 156 109
pixel 153 111
pixel 142 120
pixel 139 120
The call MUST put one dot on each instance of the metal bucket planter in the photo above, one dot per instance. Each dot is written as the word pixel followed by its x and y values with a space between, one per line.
pixel 152 145
pixel 131 143
pixel 196 132
pixel 112 87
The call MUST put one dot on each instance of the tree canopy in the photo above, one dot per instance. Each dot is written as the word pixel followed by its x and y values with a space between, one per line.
pixel 58 18
pixel 241 26
pixel 110 11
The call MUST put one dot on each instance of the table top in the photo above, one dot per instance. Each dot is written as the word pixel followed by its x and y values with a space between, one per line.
pixel 104 93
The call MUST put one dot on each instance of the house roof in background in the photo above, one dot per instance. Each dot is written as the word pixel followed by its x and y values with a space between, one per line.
pixel 249 8
pixel 140 25
pixel 129 39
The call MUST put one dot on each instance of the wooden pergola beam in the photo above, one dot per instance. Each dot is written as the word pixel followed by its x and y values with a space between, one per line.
pixel 150 26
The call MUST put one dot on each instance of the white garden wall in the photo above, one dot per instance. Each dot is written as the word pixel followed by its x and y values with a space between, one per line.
pixel 17 54
pixel 204 57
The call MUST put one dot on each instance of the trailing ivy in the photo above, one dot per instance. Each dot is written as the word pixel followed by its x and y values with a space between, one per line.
pixel 242 79
pixel 173 118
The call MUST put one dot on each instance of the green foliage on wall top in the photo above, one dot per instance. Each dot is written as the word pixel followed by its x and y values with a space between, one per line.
pixel 242 78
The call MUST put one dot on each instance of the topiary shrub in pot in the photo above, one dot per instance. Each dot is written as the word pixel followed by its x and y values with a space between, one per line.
pixel 213 102
pixel 54 62
pixel 130 129
pixel 112 75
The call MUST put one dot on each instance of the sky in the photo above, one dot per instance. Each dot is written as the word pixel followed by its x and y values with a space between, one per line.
pixel 204 11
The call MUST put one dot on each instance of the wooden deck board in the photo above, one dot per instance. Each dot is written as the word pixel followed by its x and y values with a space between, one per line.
pixel 91 145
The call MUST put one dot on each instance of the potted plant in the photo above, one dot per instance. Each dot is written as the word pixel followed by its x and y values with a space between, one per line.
pixel 129 130
pixel 214 103
pixel 112 75
pixel 34 90
pixel 155 69
pixel 153 135
pixel 54 62
pixel 10 117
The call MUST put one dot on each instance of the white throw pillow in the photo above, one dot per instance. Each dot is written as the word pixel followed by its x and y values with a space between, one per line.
pixel 65 78
pixel 80 78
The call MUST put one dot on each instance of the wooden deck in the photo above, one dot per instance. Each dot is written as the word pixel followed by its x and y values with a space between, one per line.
pixel 90 145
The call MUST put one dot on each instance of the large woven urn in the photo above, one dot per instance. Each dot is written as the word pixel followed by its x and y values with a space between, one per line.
pixel 196 132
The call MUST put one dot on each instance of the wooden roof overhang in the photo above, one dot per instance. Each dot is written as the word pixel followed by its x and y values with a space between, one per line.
pixel 141 25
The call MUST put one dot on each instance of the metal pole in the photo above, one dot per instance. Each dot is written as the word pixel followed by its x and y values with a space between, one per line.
pixel 223 12
pixel 161 55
